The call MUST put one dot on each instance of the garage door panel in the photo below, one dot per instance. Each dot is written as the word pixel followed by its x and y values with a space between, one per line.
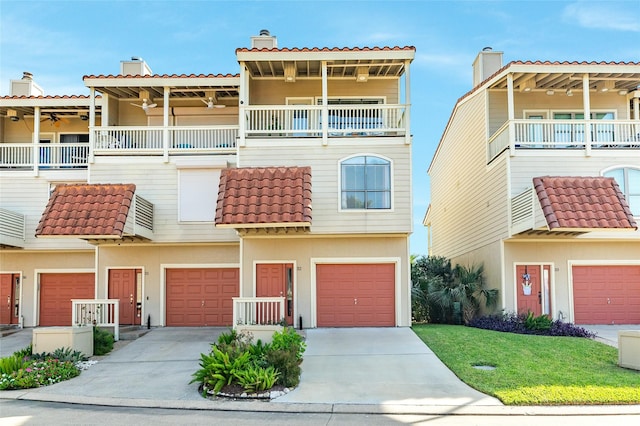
pixel 201 296
pixel 56 292
pixel 606 294
pixel 338 286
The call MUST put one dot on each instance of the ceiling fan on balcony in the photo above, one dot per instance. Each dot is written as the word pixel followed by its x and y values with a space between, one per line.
pixel 145 106
pixel 55 120
pixel 211 104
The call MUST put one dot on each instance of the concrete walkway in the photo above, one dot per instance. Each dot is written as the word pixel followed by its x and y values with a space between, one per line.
pixel 608 334
pixel 368 370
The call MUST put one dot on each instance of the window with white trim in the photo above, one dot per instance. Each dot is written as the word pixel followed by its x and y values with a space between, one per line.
pixel 629 181
pixel 365 183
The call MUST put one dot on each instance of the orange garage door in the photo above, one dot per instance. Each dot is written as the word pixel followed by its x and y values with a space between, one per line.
pixel 201 296
pixel 606 294
pixel 360 295
pixel 56 292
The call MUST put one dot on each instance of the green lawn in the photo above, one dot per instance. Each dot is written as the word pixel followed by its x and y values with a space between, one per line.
pixel 533 370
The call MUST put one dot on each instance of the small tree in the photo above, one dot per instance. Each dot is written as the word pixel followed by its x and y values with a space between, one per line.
pixel 466 288
pixel 428 274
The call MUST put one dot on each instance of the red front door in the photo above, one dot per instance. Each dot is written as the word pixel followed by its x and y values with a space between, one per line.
pixel 123 286
pixel 529 289
pixel 6 299
pixel 276 280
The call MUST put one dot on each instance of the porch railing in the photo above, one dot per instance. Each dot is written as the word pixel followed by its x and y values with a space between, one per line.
pixel 565 134
pixel 307 120
pixel 98 312
pixel 157 140
pixel 258 310
pixel 48 155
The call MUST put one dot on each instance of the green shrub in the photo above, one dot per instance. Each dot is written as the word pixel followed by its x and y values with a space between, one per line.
pixel 26 352
pixel 542 322
pixel 11 363
pixel 220 369
pixel 68 354
pixel 289 338
pixel 257 379
pixel 287 363
pixel 102 341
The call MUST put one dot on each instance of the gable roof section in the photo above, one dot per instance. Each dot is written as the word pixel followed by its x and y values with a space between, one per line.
pixel 87 211
pixel 264 197
pixel 583 203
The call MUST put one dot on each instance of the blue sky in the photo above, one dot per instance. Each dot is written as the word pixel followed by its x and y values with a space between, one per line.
pixel 60 41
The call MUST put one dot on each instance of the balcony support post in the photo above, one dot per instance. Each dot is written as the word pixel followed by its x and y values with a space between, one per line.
pixel 36 140
pixel 92 123
pixel 325 106
pixel 407 101
pixel 165 125
pixel 587 114
pixel 242 113
pixel 511 115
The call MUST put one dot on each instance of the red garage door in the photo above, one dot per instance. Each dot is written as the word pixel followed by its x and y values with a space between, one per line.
pixel 359 295
pixel 606 294
pixel 56 292
pixel 201 297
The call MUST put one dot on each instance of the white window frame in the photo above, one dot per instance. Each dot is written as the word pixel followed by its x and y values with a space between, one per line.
pixel 391 185
pixel 626 183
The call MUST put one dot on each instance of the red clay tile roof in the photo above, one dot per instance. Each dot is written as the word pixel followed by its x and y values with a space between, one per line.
pixel 86 211
pixel 262 197
pixel 583 203
pixel 154 76
pixel 48 97
pixel 326 49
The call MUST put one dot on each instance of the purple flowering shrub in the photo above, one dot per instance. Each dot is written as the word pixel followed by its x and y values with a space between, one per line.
pixel 522 324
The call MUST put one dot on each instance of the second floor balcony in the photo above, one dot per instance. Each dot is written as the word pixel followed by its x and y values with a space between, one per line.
pixel 568 135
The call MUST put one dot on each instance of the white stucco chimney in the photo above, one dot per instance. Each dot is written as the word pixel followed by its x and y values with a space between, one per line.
pixel 26 86
pixel 136 66
pixel 264 41
pixel 486 64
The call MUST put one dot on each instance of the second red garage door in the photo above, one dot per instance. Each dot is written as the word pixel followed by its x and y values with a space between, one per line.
pixel 606 294
pixel 201 296
pixel 355 295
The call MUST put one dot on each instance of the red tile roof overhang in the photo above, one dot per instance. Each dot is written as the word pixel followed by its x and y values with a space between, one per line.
pixel 87 211
pixel 583 204
pixel 273 197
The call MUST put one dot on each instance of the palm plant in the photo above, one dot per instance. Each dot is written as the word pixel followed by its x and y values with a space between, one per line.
pixel 467 289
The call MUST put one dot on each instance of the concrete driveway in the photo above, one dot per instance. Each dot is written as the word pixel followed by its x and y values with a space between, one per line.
pixel 374 366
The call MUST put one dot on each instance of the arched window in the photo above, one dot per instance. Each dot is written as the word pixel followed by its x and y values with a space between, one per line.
pixel 365 183
pixel 629 181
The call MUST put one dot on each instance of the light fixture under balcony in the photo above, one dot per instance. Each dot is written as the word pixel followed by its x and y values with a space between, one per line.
pixel 569 92
pixel 362 74
pixel 605 86
pixel 13 115
pixel 290 72
pixel 528 85
pixel 84 117
pixel 550 92
pixel 623 92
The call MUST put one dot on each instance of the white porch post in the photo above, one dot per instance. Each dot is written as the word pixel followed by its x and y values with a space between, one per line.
pixel 36 140
pixel 243 101
pixel 92 122
pixel 511 114
pixel 407 101
pixel 165 125
pixel 587 114
pixel 325 106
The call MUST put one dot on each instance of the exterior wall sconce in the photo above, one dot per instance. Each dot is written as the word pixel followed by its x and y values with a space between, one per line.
pixel 290 72
pixel 362 74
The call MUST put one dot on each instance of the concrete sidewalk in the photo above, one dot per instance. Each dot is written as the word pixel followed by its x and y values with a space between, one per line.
pixel 370 370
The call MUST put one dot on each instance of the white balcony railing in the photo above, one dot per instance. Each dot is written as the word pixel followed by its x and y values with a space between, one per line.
pixel 98 312
pixel 49 155
pixel 342 120
pixel 158 140
pixel 258 310
pixel 565 134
